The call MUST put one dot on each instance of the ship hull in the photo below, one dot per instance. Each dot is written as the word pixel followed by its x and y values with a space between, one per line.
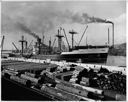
pixel 84 55
pixel 86 58
pixel 98 55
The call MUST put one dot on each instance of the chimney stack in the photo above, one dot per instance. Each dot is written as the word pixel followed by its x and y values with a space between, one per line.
pixel 108 36
pixel 26 44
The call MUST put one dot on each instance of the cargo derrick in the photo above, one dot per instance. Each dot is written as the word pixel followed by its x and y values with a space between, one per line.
pixel 2 43
pixel 17 50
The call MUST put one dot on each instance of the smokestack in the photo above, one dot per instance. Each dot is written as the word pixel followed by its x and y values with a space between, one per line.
pixel 50 42
pixel 88 19
pixel 43 39
pixel 50 45
pixel 58 32
pixel 39 45
pixel 108 36
pixel 112 31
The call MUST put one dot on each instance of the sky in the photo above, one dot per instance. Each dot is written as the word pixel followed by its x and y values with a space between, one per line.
pixel 46 17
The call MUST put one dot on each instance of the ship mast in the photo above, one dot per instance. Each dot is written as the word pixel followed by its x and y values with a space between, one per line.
pixel 22 44
pixel 59 39
pixel 72 33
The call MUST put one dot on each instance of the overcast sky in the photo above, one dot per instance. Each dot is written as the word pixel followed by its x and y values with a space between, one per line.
pixel 46 17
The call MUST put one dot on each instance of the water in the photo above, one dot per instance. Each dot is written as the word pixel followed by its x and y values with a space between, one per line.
pixel 116 61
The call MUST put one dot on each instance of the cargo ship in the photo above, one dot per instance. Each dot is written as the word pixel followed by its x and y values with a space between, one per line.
pixel 84 54
pixel 78 53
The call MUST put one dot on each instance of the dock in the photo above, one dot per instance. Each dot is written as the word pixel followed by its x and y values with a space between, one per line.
pixel 60 80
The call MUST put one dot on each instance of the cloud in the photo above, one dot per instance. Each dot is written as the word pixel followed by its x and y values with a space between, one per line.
pixel 40 17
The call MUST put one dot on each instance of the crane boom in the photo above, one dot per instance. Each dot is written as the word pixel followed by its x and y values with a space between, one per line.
pixel 2 42
pixel 66 38
pixel 83 35
pixel 30 44
pixel 15 46
pixel 53 42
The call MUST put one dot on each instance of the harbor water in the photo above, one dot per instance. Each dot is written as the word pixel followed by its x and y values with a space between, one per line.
pixel 116 61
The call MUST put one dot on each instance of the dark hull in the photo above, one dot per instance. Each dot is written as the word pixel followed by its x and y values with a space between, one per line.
pixel 86 58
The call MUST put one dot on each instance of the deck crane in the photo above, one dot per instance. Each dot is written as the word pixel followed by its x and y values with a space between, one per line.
pixel 83 35
pixel 29 45
pixel 2 43
pixel 53 42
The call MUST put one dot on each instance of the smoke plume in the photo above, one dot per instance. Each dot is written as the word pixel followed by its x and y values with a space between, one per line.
pixel 40 17
pixel 26 29
pixel 85 19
